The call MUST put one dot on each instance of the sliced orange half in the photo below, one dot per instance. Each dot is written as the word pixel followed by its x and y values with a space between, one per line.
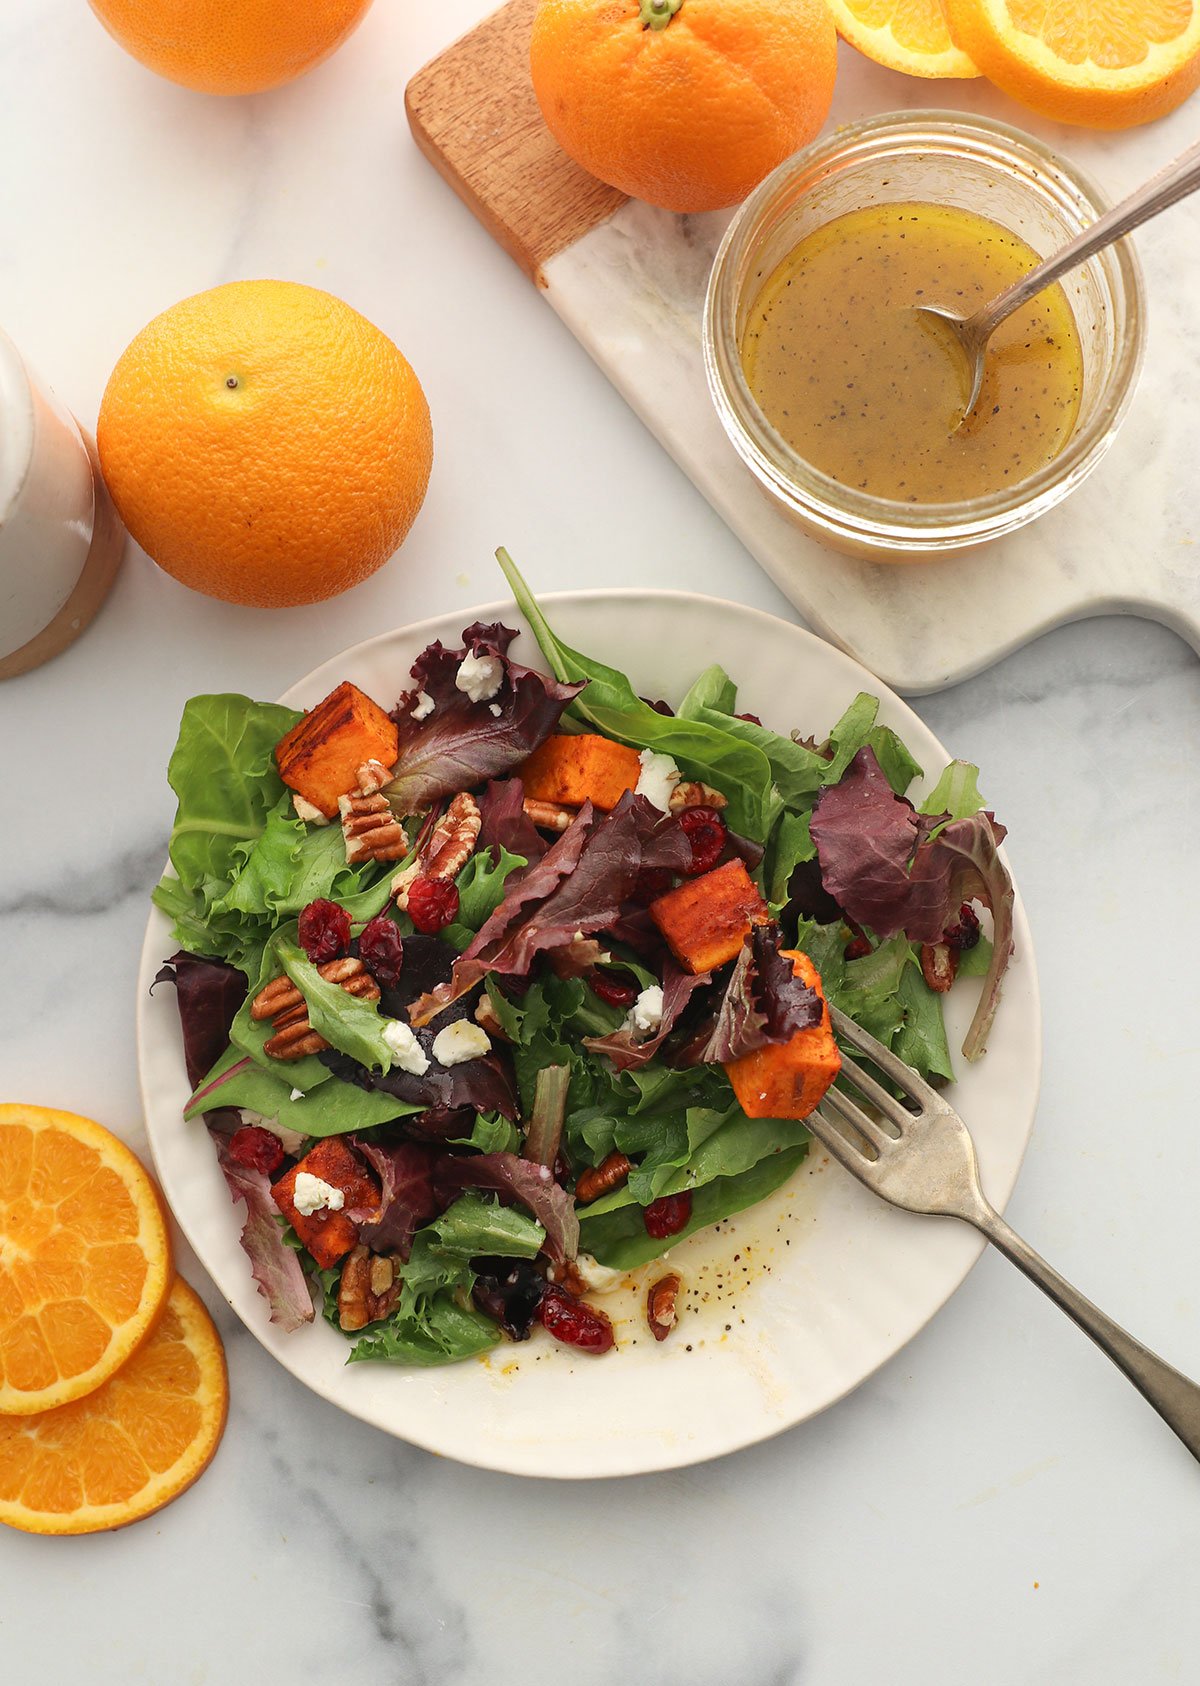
pixel 85 1259
pixel 908 35
pixel 1107 64
pixel 131 1446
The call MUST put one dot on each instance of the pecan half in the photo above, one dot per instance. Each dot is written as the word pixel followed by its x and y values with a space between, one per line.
pixel 609 1174
pixel 694 794
pixel 282 1003
pixel 939 965
pixel 372 776
pixel 368 1288
pixel 371 830
pixel 660 1306
pixel 485 1018
pixel 548 816
pixel 446 850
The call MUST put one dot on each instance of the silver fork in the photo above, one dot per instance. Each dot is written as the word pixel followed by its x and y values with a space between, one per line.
pixel 924 1161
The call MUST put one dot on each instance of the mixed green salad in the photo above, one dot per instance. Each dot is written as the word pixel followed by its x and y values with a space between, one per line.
pixel 483 995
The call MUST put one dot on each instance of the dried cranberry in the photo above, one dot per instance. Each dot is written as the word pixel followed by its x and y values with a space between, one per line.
pixel 706 833
pixel 432 904
pixel 574 1322
pixel 381 950
pixel 668 1215
pixel 752 718
pixel 652 882
pixel 610 989
pixel 324 931
pixel 966 933
pixel 255 1148
pixel 857 949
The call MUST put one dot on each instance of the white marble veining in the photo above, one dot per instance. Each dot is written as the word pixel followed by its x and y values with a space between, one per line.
pixel 877 1543
pixel 632 291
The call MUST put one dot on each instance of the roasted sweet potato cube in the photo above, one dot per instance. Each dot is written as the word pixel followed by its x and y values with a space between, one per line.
pixel 572 769
pixel 327 1234
pixel 789 1079
pixel 320 757
pixel 706 920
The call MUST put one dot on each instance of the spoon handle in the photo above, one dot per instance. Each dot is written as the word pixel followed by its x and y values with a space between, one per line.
pixel 1167 188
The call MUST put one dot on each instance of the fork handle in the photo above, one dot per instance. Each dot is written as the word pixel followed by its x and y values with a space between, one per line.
pixel 1173 1396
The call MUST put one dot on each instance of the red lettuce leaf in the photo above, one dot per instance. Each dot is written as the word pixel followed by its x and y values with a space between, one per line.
pixel 407 1202
pixel 521 1180
pixel 580 886
pixel 274 1265
pixel 481 1085
pixel 208 994
pixel 882 866
pixel 461 742
pixel 504 824
pixel 624 1047
pixel 764 1001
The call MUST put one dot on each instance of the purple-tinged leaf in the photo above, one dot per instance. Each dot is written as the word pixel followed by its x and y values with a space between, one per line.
pixel 459 743
pixel 880 863
pixel 407 1199
pixel 533 1186
pixel 580 886
pixel 482 1085
pixel 274 1265
pixel 208 994
pixel 764 1001
pixel 576 958
pixel 504 824
pixel 628 1048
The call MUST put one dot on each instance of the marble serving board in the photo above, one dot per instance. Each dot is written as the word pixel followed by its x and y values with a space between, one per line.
pixel 629 281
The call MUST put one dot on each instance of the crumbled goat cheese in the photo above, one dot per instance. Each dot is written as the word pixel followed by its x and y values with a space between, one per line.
pixel 406 1050
pixel 480 677
pixel 423 707
pixel 459 1042
pixel 657 779
pixel 313 1194
pixel 597 1278
pixel 307 811
pixel 297 1094
pixel 494 708
pixel 647 1010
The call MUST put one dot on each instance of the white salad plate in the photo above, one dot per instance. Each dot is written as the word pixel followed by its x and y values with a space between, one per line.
pixel 829 1284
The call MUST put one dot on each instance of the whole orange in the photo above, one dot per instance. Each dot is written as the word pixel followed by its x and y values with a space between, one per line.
pixel 685 103
pixel 264 443
pixel 230 46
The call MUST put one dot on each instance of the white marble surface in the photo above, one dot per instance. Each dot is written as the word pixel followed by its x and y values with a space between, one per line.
pixel 997 1505
pixel 632 291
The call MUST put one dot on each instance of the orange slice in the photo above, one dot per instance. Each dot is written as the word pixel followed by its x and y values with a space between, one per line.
pixel 1104 63
pixel 908 35
pixel 131 1446
pixel 85 1260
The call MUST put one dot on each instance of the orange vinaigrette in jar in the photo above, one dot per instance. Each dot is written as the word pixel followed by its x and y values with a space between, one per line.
pixel 869 393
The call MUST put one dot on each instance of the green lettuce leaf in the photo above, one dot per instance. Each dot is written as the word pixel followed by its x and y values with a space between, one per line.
pixel 345 1021
pixel 619 1240
pixel 478 1224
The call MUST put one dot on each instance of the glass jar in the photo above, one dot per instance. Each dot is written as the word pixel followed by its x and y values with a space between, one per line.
pixel 974 164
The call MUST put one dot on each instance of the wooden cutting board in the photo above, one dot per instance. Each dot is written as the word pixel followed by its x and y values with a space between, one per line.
pixel 629 281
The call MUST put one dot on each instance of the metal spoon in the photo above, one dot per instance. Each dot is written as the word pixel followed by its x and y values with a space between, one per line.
pixel 972 333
